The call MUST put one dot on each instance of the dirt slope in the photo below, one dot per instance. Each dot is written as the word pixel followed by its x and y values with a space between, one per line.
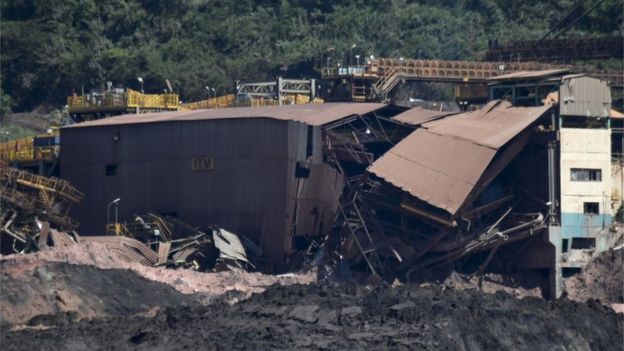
pixel 601 279
pixel 184 280
pixel 31 295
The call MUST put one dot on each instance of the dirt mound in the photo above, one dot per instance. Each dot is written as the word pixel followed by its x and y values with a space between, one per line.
pixel 491 283
pixel 601 279
pixel 58 290
pixel 183 280
pixel 348 317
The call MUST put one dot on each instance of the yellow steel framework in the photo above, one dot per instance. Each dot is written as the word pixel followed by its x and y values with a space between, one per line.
pixel 26 149
pixel 217 102
pixel 129 100
pixel 230 101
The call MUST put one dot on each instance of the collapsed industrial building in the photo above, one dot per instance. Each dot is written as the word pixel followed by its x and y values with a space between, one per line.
pixel 518 184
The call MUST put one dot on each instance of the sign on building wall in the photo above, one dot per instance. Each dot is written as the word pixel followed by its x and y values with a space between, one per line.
pixel 204 163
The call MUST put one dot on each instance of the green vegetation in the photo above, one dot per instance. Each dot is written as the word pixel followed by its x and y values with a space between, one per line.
pixel 13 131
pixel 51 47
pixel 6 103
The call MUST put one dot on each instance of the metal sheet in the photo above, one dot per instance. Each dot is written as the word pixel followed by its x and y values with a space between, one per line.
pixel 417 116
pixel 439 170
pixel 312 114
pixel 229 245
pixel 442 162
pixel 493 126
pixel 584 96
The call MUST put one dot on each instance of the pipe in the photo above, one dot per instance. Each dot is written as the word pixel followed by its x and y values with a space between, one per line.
pixel 452 224
pixel 483 244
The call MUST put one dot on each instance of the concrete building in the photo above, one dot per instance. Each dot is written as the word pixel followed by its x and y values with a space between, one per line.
pixel 585 157
pixel 265 173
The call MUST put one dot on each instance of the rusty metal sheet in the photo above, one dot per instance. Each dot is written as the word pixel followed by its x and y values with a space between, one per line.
pixel 439 170
pixel 163 252
pixel 312 114
pixel 129 249
pixel 492 126
pixel 418 115
pixel 61 239
pixel 442 162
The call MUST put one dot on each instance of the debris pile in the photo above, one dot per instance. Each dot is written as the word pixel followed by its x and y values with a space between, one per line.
pixel 178 244
pixel 346 317
pixel 35 216
pixel 602 279
pixel 449 190
pixel 35 211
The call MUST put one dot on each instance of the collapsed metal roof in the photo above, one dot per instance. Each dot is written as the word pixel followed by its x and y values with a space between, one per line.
pixel 417 116
pixel 443 162
pixel 311 114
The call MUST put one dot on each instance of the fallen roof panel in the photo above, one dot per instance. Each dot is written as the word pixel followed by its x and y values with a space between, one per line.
pixel 312 114
pixel 439 170
pixel 442 162
pixel 418 115
pixel 492 126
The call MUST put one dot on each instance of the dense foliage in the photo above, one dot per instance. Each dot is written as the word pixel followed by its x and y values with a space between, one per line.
pixel 50 47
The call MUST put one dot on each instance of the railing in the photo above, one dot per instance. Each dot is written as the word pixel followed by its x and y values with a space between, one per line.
pixel 218 102
pixel 161 101
pixel 127 100
pixel 442 70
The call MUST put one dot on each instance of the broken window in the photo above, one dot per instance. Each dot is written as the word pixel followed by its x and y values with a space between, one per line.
pixel 585 175
pixel 591 208
pixel 111 169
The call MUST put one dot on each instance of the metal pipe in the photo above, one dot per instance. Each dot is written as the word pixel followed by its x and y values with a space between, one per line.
pixel 434 218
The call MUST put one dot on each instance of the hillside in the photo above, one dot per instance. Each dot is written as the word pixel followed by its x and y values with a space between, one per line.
pixel 51 47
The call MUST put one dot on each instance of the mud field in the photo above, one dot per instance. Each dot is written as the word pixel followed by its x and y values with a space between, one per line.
pixel 321 316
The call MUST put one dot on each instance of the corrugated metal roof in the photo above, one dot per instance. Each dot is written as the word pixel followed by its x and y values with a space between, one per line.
pixel 492 126
pixel 530 74
pixel 312 114
pixel 439 170
pixel 443 161
pixel 418 115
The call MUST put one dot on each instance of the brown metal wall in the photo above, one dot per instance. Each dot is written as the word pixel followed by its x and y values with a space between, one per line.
pixel 247 192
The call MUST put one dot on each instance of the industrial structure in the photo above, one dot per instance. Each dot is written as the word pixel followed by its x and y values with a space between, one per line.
pixel 525 178
pixel 395 191
pixel 269 173
pixel 117 101
pixel 38 154
pixel 375 78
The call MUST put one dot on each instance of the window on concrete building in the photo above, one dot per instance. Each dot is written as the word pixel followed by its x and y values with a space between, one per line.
pixel 111 169
pixel 591 208
pixel 585 175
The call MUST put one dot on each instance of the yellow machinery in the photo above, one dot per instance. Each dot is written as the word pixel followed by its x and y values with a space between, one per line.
pixel 43 147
